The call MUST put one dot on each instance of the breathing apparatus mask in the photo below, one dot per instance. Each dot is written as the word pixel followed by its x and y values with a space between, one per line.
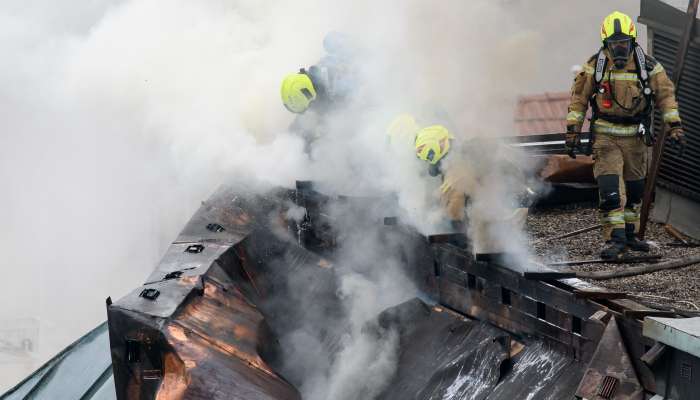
pixel 435 169
pixel 620 48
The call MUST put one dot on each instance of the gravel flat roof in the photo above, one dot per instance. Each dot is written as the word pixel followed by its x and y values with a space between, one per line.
pixel 677 288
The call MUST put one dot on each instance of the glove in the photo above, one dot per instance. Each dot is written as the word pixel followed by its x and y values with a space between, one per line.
pixel 676 134
pixel 677 138
pixel 571 143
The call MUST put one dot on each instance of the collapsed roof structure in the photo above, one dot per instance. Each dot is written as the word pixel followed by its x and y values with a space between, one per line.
pixel 208 322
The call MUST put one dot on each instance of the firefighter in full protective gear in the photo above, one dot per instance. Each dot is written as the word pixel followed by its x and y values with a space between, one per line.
pixel 315 93
pixel 622 86
pixel 432 144
pixel 467 169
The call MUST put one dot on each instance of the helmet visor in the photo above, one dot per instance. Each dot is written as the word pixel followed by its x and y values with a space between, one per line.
pixel 620 50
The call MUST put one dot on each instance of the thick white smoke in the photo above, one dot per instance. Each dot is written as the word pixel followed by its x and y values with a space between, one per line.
pixel 118 117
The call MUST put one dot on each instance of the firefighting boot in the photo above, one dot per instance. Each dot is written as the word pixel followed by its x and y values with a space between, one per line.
pixel 633 243
pixel 615 246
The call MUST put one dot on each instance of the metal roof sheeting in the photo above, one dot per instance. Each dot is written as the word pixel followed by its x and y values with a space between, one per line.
pixel 82 371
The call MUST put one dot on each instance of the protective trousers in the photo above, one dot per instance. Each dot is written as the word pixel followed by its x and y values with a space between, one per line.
pixel 620 168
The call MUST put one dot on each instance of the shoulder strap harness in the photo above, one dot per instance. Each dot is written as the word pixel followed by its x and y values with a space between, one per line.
pixel 642 74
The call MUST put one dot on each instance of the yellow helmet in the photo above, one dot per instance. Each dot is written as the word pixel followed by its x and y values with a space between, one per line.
pixel 617 23
pixel 297 92
pixel 433 143
pixel 403 129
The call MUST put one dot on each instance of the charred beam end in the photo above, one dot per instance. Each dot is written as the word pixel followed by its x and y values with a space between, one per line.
pixel 441 238
pixel 548 276
pixel 456 239
pixel 650 357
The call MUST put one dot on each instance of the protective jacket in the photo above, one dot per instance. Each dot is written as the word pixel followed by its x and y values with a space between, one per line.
pixel 477 164
pixel 488 176
pixel 618 100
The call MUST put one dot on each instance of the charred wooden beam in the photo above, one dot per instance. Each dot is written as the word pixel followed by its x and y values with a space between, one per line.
pixel 600 294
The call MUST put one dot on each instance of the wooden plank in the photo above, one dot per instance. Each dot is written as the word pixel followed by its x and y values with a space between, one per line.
pixel 500 315
pixel 540 291
pixel 521 316
pixel 519 322
pixel 558 296
pixel 648 313
pixel 599 294
pixel 559 318
pixel 548 275
pixel 453 275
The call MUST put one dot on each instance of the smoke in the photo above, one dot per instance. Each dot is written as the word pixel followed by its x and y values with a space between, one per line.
pixel 332 343
pixel 119 117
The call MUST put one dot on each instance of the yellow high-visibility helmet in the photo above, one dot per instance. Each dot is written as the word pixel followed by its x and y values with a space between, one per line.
pixel 297 92
pixel 433 143
pixel 617 23
pixel 403 129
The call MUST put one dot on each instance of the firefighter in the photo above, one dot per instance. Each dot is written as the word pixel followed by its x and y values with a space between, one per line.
pixel 315 93
pixel 622 85
pixel 478 164
pixel 432 144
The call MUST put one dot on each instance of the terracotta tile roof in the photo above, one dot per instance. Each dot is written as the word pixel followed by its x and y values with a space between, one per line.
pixel 542 113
